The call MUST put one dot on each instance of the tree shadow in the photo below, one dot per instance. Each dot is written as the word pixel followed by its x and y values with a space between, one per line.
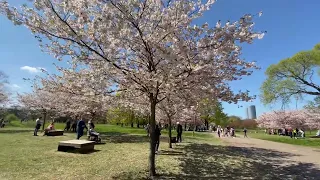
pixel 13 131
pixel 76 151
pixel 116 137
pixel 170 153
pixel 206 162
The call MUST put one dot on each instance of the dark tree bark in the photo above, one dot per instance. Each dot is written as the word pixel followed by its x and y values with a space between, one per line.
pixel 170 133
pixel 132 124
pixel 44 119
pixel 152 167
pixel 207 124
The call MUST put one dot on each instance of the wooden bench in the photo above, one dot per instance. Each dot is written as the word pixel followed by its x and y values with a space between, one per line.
pixel 55 133
pixel 82 146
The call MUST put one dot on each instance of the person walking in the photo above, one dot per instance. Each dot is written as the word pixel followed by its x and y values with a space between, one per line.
pixel 245 133
pixel 38 125
pixel 157 134
pixel 179 132
pixel 74 126
pixel 67 128
pixel 81 125
pixel 219 131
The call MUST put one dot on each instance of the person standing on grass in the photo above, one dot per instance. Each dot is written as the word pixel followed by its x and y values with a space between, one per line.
pixel 245 132
pixel 38 125
pixel 147 128
pixel 179 131
pixel 81 125
pixel 67 125
pixel 232 132
pixel 157 134
pixel 74 126
pixel 219 131
pixel 91 125
pixel 1 122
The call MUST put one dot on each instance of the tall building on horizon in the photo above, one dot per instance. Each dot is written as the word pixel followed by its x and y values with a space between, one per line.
pixel 251 112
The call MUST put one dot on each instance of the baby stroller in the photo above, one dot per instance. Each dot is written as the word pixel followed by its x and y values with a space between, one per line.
pixel 94 136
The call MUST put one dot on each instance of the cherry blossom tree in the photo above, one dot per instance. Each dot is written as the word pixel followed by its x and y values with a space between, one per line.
pixel 169 108
pixel 293 119
pixel 39 100
pixel 312 119
pixel 85 92
pixel 147 46
pixel 4 95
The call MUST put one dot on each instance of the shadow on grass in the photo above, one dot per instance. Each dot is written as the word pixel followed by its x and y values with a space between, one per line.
pixel 116 137
pixel 13 131
pixel 76 151
pixel 205 162
pixel 170 153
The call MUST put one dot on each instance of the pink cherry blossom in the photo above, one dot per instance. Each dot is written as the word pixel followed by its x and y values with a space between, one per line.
pixel 304 118
pixel 148 48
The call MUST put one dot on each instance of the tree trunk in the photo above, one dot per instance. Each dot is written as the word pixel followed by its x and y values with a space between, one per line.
pixel 44 119
pixel 207 124
pixel 170 134
pixel 152 167
pixel 138 125
pixel 132 124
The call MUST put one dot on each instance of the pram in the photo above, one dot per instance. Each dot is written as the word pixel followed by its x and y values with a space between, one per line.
pixel 94 136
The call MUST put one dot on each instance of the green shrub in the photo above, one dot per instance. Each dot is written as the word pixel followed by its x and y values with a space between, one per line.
pixel 11 117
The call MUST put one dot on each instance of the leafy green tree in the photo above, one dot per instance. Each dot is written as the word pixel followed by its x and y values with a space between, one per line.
pixel 207 109
pixel 292 77
pixel 220 118
pixel 212 112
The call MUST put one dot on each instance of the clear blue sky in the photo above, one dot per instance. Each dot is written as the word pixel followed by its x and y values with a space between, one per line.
pixel 292 26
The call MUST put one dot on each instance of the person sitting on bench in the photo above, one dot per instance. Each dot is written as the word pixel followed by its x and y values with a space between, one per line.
pixel 49 128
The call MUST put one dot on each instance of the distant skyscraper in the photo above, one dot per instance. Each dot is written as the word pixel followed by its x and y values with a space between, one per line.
pixel 247 112
pixel 251 112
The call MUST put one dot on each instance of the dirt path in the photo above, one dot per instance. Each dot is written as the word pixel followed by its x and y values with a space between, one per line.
pixel 298 154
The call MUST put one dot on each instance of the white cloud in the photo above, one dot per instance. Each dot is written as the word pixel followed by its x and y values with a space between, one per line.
pixel 31 69
pixel 15 86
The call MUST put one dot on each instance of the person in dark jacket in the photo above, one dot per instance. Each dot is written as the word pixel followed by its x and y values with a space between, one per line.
pixel 74 126
pixel 38 125
pixel 157 133
pixel 81 125
pixel 68 123
pixel 179 132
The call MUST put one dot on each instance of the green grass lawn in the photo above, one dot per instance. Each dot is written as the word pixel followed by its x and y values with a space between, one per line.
pixel 125 156
pixel 24 156
pixel 110 128
pixel 312 142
